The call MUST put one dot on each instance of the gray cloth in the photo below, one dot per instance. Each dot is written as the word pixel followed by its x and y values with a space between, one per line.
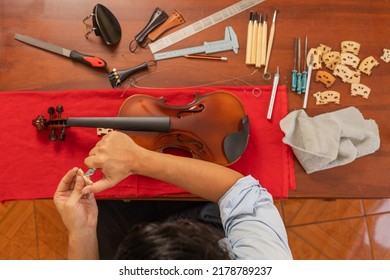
pixel 330 139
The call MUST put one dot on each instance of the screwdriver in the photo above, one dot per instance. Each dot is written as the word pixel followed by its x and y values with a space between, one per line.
pixel 294 71
pixel 299 81
pixel 304 73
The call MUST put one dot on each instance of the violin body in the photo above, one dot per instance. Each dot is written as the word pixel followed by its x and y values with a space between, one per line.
pixel 213 127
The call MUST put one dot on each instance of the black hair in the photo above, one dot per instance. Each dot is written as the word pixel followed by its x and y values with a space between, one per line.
pixel 180 239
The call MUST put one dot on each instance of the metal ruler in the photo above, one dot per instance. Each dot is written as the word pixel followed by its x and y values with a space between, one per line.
pixel 202 24
pixel 229 43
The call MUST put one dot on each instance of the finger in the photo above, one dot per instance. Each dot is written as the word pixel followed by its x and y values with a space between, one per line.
pixel 76 194
pixel 98 186
pixel 66 181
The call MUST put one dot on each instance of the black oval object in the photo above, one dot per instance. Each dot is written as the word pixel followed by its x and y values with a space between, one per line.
pixel 106 25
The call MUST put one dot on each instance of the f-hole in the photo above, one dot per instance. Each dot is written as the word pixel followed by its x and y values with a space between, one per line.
pixel 194 109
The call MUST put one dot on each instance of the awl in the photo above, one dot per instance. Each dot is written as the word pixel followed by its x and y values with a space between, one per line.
pixel 89 60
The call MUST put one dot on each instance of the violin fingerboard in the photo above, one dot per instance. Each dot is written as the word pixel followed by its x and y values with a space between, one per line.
pixel 103 131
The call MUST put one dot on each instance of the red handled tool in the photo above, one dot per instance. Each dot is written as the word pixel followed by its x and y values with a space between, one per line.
pixel 89 60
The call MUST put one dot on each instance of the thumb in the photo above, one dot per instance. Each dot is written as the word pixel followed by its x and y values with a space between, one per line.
pixel 98 186
pixel 76 194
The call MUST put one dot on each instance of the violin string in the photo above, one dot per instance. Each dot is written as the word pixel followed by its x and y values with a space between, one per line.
pixel 256 91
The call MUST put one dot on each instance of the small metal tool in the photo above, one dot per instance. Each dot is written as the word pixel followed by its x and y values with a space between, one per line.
pixel 299 74
pixel 89 60
pixel 294 71
pixel 308 81
pixel 229 43
pixel 304 73
pixel 90 172
pixel 266 74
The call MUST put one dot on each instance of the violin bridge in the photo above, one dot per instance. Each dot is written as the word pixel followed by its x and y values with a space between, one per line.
pixel 103 131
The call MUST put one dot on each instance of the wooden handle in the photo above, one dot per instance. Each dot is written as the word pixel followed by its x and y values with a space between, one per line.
pixel 249 43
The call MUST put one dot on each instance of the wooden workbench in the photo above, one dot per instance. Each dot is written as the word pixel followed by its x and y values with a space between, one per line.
pixel 328 22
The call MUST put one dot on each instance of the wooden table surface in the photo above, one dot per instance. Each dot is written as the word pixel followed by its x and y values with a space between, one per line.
pixel 324 22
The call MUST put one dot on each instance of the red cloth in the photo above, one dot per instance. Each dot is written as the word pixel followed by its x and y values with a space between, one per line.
pixel 31 165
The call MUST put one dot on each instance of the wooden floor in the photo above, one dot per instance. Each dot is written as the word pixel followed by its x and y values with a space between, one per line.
pixel 317 229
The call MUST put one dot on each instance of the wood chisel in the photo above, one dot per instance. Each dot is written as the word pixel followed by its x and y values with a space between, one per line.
pixel 248 54
pixel 254 39
pixel 259 41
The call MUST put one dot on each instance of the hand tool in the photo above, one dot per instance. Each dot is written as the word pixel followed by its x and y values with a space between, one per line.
pixel 273 94
pixel 90 172
pixel 266 74
pixel 229 43
pixel 89 60
pixel 207 57
pixel 299 74
pixel 202 24
pixel 259 41
pixel 248 54
pixel 294 71
pixel 308 81
pixel 264 41
pixel 304 73
pixel 254 39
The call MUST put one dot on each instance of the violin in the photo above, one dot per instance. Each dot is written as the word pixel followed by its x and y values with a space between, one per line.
pixel 213 127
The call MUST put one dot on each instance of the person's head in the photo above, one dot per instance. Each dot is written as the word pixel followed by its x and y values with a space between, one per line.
pixel 180 240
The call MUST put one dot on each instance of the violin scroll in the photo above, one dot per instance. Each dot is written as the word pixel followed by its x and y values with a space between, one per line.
pixel 39 122
pixel 54 122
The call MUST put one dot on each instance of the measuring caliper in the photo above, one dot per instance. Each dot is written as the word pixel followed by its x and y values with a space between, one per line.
pixel 229 43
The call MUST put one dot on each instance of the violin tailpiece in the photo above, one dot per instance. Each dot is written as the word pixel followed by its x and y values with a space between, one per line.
pixel 117 77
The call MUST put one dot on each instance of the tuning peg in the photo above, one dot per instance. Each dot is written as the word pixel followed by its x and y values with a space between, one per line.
pixel 53 136
pixel 51 112
pixel 62 135
pixel 59 110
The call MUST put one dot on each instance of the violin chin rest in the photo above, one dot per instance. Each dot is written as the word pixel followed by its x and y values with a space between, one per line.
pixel 235 143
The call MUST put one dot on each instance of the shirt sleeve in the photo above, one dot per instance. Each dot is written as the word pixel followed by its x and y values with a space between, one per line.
pixel 253 226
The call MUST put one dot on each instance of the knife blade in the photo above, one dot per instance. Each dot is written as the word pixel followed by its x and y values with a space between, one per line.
pixel 90 172
pixel 89 60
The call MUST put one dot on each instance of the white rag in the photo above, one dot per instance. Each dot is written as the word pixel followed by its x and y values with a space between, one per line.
pixel 330 139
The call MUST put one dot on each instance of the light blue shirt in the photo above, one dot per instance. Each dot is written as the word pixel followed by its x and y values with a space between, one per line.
pixel 253 226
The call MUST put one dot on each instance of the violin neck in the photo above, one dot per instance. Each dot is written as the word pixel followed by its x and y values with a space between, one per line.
pixel 156 124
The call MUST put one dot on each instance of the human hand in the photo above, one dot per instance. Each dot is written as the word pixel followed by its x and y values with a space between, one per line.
pixel 78 212
pixel 117 155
